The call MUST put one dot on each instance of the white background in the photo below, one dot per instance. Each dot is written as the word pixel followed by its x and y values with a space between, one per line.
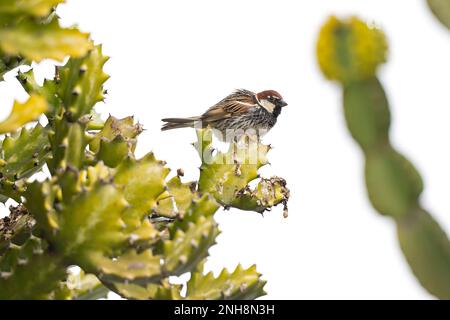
pixel 177 58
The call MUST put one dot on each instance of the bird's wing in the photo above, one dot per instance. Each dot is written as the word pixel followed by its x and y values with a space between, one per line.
pixel 239 102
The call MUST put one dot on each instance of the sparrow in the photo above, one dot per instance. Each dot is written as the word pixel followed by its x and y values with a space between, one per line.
pixel 242 110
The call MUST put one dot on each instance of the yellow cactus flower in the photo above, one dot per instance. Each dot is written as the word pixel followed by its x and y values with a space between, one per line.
pixel 350 49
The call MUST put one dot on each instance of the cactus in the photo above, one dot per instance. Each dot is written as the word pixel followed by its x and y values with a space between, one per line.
pixel 120 219
pixel 350 51
pixel 28 269
pixel 227 175
pixel 23 154
pixel 23 113
pixel 30 31
pixel 441 9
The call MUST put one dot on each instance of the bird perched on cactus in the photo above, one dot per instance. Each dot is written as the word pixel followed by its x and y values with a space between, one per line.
pixel 242 111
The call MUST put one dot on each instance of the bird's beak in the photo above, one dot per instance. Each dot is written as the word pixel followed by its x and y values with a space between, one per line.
pixel 282 103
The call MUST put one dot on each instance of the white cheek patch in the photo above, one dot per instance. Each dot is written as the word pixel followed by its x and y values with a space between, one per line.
pixel 269 106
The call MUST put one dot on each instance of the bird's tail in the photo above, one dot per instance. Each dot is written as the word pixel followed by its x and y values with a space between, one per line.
pixel 175 123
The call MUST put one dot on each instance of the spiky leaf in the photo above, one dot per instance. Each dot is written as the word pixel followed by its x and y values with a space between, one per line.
pixel 113 128
pixel 82 82
pixel 143 181
pixel 226 175
pixel 38 8
pixel 7 63
pixel 268 193
pixel 37 41
pixel 241 284
pixel 23 113
pixel 203 207
pixel 29 271
pixel 68 142
pixel 82 286
pixel 130 267
pixel 48 90
pixel 179 199
pixel 90 223
pixel 116 140
pixel 152 291
pixel 15 228
pixel 24 153
pixel 189 247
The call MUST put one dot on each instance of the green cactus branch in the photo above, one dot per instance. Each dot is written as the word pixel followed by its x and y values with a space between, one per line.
pixel 82 286
pixel 81 82
pixel 48 91
pixel 36 8
pixel 191 237
pixel 30 31
pixel 178 200
pixel 22 113
pixel 163 291
pixel 241 284
pixel 115 141
pixel 23 154
pixel 38 39
pixel 23 254
pixel 15 228
pixel 393 184
pixel 8 63
pixel 19 262
pixel 441 9
pixel 227 175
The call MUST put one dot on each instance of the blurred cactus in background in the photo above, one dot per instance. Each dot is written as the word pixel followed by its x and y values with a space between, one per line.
pixel 117 217
pixel 349 51
pixel 441 9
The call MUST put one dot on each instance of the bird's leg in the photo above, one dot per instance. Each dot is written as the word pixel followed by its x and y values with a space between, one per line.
pixel 235 146
pixel 247 140
pixel 237 169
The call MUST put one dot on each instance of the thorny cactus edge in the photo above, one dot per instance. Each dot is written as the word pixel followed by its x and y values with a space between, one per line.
pixel 120 219
pixel 393 184
pixel 30 31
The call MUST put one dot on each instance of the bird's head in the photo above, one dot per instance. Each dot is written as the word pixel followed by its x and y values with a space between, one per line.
pixel 271 100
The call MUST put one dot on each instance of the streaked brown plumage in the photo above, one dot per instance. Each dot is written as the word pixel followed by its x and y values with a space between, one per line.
pixel 241 110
